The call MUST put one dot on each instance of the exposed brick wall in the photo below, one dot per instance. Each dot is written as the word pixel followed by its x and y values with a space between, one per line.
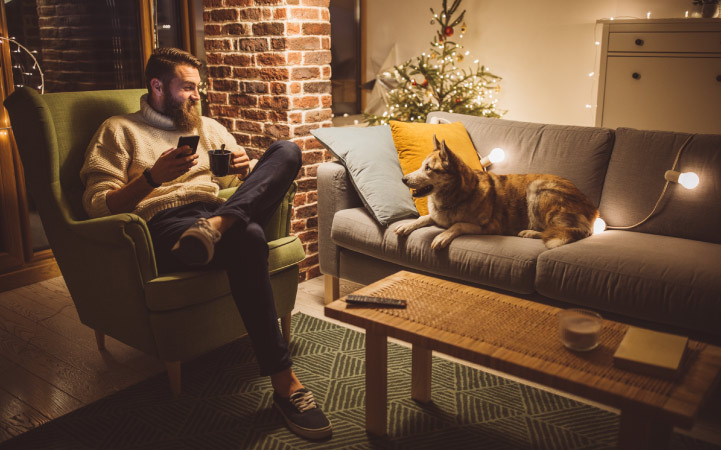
pixel 89 45
pixel 269 79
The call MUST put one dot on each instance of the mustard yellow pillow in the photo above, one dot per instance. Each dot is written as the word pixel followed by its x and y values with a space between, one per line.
pixel 414 141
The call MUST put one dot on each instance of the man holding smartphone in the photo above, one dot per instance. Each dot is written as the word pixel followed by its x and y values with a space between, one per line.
pixel 133 164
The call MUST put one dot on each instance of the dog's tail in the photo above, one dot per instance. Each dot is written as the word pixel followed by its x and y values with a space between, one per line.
pixel 567 228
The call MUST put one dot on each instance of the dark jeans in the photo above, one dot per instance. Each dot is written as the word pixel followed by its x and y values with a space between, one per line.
pixel 242 251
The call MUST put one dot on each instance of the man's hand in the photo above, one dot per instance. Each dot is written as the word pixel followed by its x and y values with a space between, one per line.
pixel 173 163
pixel 239 163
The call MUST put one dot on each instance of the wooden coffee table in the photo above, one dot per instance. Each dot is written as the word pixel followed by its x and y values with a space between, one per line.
pixel 520 337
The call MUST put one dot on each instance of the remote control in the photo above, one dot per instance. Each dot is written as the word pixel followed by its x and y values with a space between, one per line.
pixel 366 300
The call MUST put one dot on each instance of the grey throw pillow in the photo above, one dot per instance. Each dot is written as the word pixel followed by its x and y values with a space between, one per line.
pixel 369 155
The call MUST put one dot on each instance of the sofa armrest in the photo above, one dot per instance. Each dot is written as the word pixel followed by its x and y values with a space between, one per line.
pixel 335 193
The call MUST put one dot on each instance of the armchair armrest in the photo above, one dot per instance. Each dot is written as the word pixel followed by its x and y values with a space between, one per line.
pixel 335 193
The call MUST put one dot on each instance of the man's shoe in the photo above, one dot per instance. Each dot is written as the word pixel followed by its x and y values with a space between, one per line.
pixel 303 415
pixel 196 245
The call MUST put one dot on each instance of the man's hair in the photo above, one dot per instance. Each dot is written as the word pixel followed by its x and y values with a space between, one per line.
pixel 162 64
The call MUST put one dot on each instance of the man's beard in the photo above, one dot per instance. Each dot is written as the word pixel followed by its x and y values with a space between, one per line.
pixel 184 115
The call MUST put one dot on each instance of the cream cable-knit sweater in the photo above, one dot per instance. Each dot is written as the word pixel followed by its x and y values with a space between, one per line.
pixel 126 145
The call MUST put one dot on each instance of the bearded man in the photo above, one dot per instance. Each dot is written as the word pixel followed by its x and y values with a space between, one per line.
pixel 132 166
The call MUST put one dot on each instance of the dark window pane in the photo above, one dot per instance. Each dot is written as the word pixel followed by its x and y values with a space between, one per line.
pixel 168 24
pixel 345 56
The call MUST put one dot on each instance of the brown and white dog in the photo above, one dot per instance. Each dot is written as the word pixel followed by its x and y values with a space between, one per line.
pixel 467 201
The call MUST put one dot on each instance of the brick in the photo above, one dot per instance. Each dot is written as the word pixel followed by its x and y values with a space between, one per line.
pixel 299 199
pixel 304 73
pixel 303 43
pixel 253 87
pixel 312 222
pixel 238 60
pixel 317 58
pixel 297 225
pixel 295 117
pixel 325 15
pixel 292 28
pixel 310 260
pixel 326 101
pixel 278 87
pixel 278 43
pixel 269 2
pixel 303 130
pixel 213 30
pixel 220 71
pixel 217 44
pixel 326 73
pixel 213 3
pixel 305 13
pixel 223 15
pixel 308 235
pixel 241 139
pixel 311 171
pixel 294 58
pixel 273 74
pixel 325 43
pixel 278 116
pixel 240 3
pixel 280 13
pixel 246 73
pixel 274 102
pixel 278 131
pixel 217 97
pixel 214 58
pixel 307 184
pixel 253 44
pixel 306 102
pixel 322 28
pixel 254 114
pixel 312 157
pixel 262 141
pixel 269 29
pixel 249 126
pixel 237 29
pixel 250 14
pixel 243 100
pixel 312 272
pixel 224 85
pixel 318 116
pixel 317 87
pixel 314 144
pixel 296 88
pixel 270 59
pixel 306 211
pixel 324 3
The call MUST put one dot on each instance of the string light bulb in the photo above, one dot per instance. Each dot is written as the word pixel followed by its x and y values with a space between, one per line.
pixel 599 226
pixel 497 155
pixel 689 180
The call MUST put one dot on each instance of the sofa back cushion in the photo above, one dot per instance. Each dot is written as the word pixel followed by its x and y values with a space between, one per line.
pixel 579 154
pixel 635 179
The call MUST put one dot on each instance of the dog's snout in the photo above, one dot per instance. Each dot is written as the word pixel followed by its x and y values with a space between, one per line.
pixel 405 180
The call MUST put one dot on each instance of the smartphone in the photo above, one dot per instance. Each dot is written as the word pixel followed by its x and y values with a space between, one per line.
pixel 190 141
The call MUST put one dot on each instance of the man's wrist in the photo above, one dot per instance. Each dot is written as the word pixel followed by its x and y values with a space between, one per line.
pixel 149 178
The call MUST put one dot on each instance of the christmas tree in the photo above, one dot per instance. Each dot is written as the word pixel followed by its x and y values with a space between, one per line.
pixel 433 81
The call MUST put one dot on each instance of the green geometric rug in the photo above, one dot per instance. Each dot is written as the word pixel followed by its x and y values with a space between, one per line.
pixel 226 405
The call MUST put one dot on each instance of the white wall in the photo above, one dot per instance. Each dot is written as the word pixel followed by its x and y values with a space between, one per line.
pixel 543 49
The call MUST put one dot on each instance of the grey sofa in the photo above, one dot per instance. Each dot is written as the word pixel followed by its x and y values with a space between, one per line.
pixel 665 272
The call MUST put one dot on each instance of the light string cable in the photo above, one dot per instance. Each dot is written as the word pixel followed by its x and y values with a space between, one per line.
pixel 663 192
pixel 37 64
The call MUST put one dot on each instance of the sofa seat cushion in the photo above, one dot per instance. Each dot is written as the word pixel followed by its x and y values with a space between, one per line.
pixel 183 289
pixel 504 262
pixel 658 278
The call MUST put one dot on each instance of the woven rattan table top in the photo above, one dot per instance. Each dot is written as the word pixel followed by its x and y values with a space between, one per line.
pixel 521 337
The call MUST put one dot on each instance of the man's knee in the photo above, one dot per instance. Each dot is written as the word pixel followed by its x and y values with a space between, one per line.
pixel 290 152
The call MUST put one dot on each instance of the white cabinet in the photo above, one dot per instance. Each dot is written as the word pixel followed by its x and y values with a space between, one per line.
pixel 661 75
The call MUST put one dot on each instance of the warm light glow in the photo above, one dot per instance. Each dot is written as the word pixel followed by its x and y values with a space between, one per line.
pixel 599 226
pixel 648 15
pixel 497 155
pixel 689 180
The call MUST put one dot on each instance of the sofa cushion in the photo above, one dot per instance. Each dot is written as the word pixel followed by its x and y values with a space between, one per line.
pixel 579 154
pixel 505 262
pixel 658 278
pixel 635 180
pixel 414 141
pixel 372 162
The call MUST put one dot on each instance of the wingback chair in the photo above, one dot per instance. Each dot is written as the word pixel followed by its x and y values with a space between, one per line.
pixel 108 263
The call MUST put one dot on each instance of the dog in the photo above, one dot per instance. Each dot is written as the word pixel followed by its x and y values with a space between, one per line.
pixel 467 201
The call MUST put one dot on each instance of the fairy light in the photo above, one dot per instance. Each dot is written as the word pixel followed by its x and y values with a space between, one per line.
pixel 36 65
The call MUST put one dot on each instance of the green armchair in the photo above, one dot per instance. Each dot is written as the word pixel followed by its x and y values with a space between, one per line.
pixel 108 263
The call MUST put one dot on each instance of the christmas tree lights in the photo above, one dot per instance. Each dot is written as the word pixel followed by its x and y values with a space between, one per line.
pixel 434 82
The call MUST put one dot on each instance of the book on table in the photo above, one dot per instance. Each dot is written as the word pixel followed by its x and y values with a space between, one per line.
pixel 651 352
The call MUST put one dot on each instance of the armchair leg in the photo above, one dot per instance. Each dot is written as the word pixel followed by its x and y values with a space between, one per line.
pixel 173 368
pixel 100 340
pixel 332 288
pixel 285 327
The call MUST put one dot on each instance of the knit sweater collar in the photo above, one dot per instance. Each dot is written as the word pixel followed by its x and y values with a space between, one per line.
pixel 153 117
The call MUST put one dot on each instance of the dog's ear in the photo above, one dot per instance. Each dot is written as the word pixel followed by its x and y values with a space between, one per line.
pixel 436 143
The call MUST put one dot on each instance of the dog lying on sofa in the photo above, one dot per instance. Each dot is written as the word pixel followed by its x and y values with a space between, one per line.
pixel 467 201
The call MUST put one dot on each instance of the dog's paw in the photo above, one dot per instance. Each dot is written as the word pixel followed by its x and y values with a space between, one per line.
pixel 530 234
pixel 442 240
pixel 404 230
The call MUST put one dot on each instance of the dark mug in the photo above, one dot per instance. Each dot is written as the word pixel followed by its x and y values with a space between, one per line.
pixel 220 162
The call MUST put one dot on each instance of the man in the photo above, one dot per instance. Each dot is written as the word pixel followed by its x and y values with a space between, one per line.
pixel 132 165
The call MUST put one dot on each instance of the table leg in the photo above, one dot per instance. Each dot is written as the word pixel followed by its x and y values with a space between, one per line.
pixel 421 374
pixel 638 432
pixel 376 383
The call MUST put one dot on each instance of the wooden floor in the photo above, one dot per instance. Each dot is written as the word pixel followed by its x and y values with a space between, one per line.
pixel 50 365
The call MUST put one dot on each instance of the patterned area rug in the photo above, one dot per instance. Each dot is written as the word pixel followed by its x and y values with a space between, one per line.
pixel 226 405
